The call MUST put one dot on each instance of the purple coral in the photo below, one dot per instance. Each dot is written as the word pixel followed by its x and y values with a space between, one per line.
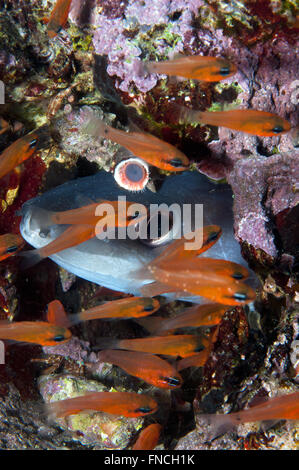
pixel 124 40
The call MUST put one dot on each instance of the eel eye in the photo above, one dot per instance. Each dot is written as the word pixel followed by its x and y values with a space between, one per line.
pixel 132 174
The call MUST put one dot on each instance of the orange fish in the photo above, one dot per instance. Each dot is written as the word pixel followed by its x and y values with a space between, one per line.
pixel 131 307
pixel 119 214
pixel 209 269
pixel 196 316
pixel 58 18
pixel 39 332
pixel 184 280
pixel 172 345
pixel 127 404
pixel 250 121
pixel 148 367
pixel 21 150
pixel 277 408
pixel 10 244
pixel 148 437
pixel 206 69
pixel 154 151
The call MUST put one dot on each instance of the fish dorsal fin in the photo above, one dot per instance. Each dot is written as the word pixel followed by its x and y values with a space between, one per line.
pixel 56 314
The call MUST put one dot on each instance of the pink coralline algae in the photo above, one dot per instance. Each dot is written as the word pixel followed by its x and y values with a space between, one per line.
pixel 264 188
pixel 146 28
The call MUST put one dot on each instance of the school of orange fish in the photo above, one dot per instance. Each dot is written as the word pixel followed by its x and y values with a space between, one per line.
pixel 175 270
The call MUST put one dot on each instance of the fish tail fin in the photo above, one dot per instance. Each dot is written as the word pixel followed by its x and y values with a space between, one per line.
pixel 54 410
pixel 186 115
pixel 95 126
pixel 141 68
pixel 74 319
pixel 29 258
pixel 218 424
pixel 106 343
pixel 151 324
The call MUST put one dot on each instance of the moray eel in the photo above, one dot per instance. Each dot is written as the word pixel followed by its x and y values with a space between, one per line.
pixel 112 263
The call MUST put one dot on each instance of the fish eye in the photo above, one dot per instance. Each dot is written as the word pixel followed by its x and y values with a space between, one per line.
pixel 213 236
pixel 277 129
pixel 224 71
pixel 242 296
pixel 59 338
pixel 176 162
pixel 143 409
pixel 12 249
pixel 199 348
pixel 32 143
pixel 172 381
pixel 238 275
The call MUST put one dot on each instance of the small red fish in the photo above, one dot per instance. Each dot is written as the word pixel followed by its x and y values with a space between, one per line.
pixel 10 244
pixel 37 332
pixel 250 121
pixel 154 151
pixel 59 17
pixel 218 289
pixel 172 345
pixel 131 307
pixel 148 367
pixel 196 316
pixel 21 150
pixel 183 272
pixel 207 269
pixel 148 437
pixel 277 408
pixel 204 68
pixel 114 213
pixel 129 404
